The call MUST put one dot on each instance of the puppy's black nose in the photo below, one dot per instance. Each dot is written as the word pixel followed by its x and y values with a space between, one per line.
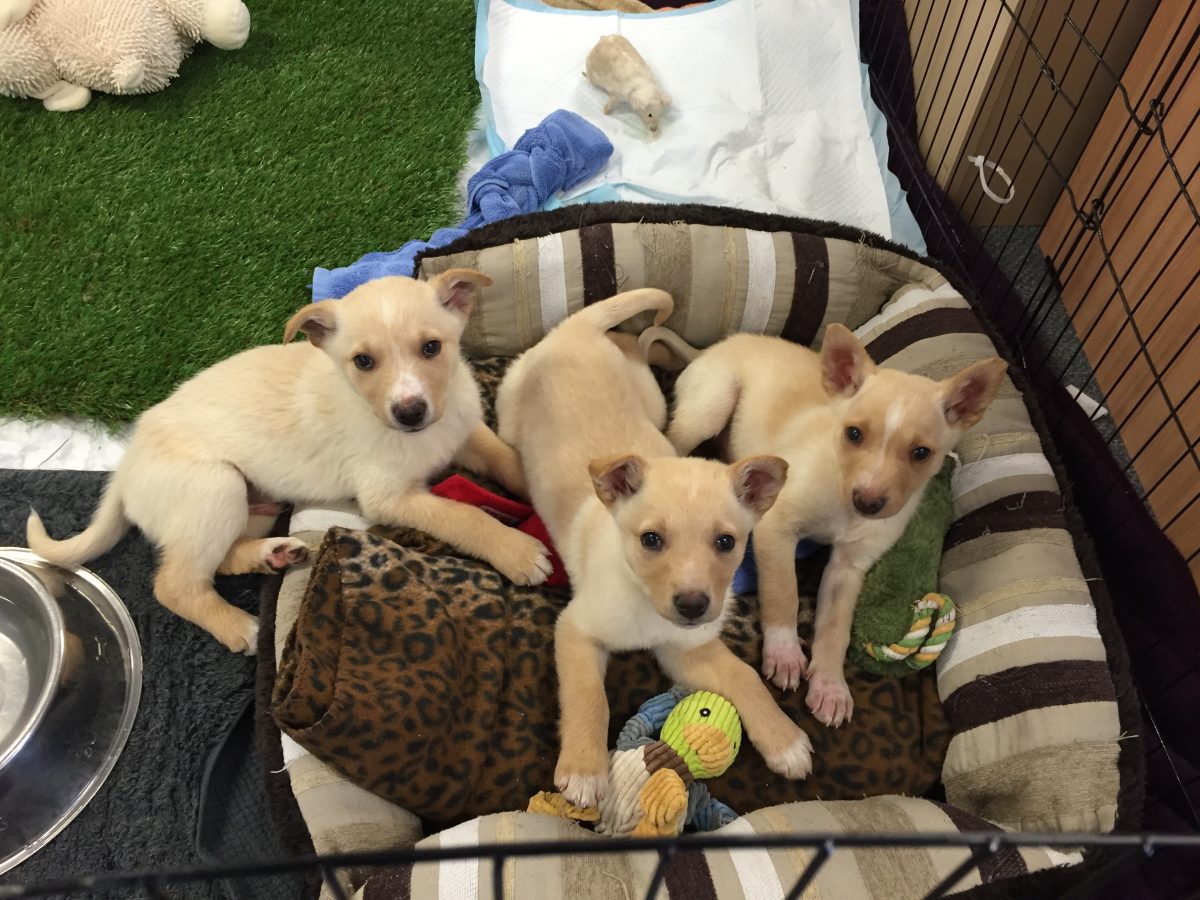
pixel 410 413
pixel 691 604
pixel 868 504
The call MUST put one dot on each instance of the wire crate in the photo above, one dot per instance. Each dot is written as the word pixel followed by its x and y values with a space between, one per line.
pixel 1052 170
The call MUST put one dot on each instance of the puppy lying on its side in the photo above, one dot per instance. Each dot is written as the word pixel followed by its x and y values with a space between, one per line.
pixel 375 403
pixel 861 444
pixel 650 541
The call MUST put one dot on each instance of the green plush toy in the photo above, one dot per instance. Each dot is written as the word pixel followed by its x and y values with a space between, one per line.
pixel 902 623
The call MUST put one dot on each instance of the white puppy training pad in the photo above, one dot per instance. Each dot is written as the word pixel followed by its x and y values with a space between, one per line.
pixel 767 111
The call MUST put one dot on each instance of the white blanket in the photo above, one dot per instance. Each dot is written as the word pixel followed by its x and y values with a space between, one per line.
pixel 767 109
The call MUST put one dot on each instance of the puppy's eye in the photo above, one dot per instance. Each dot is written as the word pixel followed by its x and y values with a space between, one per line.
pixel 853 434
pixel 920 454
pixel 725 542
pixel 430 349
pixel 364 362
pixel 652 540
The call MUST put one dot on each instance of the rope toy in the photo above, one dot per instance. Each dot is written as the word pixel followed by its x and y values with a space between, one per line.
pixel 672 741
pixel 932 625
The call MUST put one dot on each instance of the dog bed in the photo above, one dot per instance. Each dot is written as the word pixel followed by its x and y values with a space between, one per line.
pixel 1034 684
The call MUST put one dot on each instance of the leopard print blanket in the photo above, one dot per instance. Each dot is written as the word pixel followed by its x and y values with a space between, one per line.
pixel 428 679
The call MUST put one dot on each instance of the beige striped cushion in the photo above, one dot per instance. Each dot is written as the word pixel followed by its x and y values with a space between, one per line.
pixel 749 874
pixel 1024 681
pixel 723 280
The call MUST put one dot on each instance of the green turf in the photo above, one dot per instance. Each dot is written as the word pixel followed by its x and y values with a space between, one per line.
pixel 144 238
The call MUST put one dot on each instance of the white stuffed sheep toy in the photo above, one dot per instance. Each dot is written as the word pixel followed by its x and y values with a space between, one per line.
pixel 59 51
pixel 615 66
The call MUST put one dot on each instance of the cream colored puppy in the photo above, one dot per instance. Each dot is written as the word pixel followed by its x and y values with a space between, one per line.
pixel 650 540
pixel 861 444
pixel 374 404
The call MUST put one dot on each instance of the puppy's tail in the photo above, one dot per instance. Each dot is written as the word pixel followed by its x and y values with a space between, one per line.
pixel 680 350
pixel 106 528
pixel 610 313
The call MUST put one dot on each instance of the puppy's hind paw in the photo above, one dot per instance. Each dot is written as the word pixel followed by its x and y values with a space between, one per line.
pixel 284 552
pixel 795 761
pixel 784 662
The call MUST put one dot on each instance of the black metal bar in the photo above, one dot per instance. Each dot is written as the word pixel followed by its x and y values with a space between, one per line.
pixel 1156 110
pixel 962 13
pixel 329 876
pixel 525 849
pixel 810 871
pixel 665 855
pixel 1092 223
pixel 1130 146
pixel 1195 497
pixel 1009 102
pixel 498 876
pixel 955 875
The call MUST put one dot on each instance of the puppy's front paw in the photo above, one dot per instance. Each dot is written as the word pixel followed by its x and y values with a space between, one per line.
pixel 829 699
pixel 581 790
pixel 524 560
pixel 795 760
pixel 784 662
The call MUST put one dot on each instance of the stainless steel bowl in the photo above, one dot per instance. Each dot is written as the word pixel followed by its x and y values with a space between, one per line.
pixel 32 645
pixel 94 689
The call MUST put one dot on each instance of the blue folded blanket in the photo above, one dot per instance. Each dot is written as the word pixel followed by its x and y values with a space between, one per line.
pixel 556 155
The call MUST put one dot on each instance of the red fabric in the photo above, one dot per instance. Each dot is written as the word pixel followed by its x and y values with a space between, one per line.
pixel 511 512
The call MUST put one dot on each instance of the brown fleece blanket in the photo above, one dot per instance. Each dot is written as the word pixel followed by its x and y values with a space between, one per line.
pixel 426 678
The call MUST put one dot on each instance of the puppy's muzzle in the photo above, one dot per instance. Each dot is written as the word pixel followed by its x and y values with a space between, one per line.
pixel 411 415
pixel 691 604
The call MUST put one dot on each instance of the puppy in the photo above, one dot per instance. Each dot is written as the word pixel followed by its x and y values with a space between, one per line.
pixel 375 403
pixel 650 541
pixel 861 444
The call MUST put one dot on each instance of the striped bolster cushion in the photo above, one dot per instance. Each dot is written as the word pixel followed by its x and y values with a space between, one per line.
pixel 723 280
pixel 1025 683
pixel 882 873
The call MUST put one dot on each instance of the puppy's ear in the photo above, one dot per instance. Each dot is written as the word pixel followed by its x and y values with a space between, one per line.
pixel 968 394
pixel 757 481
pixel 317 321
pixel 456 289
pixel 617 477
pixel 664 98
pixel 845 364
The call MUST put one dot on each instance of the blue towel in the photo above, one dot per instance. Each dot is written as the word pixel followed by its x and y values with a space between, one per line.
pixel 554 156
pixel 745 579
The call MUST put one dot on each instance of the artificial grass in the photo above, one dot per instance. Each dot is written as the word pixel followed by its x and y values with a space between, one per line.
pixel 144 238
